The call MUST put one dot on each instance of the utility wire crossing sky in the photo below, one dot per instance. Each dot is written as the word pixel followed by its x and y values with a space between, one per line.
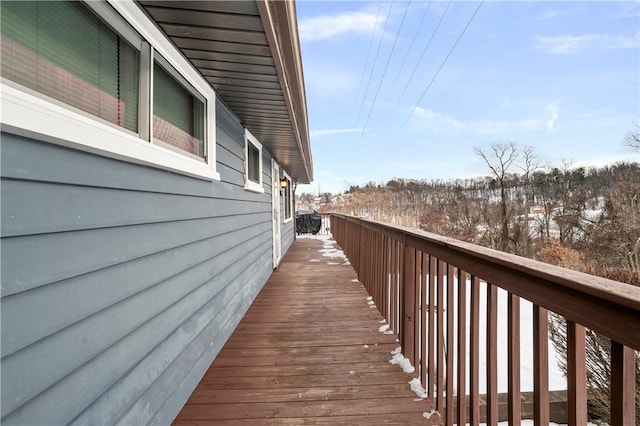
pixel 408 89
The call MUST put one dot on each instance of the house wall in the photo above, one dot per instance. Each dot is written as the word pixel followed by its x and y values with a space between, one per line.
pixel 120 282
pixel 287 226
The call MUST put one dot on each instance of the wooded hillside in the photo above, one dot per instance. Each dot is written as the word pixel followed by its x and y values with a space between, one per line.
pixel 582 218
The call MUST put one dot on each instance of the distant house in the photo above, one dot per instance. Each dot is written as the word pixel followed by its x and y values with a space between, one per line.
pixel 147 160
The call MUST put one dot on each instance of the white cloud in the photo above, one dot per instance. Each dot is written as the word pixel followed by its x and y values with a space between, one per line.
pixel 507 127
pixel 554 110
pixel 435 121
pixel 564 44
pixel 329 132
pixel 327 26
pixel 544 120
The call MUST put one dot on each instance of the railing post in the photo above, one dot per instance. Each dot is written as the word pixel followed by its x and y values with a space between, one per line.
pixel 431 382
pixel 513 337
pixel 474 361
pixel 462 347
pixel 408 291
pixel 623 382
pixel 450 352
pixel 440 338
pixel 425 336
pixel 576 375
pixel 540 366
pixel 492 356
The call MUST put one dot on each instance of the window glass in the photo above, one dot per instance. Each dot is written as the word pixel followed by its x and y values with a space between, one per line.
pixel 287 199
pixel 178 116
pixel 64 51
pixel 253 159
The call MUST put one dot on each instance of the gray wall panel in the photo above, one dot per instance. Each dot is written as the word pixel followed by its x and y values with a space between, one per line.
pixel 27 159
pixel 288 231
pixel 120 282
pixel 31 315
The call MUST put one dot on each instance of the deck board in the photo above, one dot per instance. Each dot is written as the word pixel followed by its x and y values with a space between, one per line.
pixel 308 351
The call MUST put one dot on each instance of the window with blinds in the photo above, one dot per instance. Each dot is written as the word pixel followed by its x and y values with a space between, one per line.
pixel 178 115
pixel 64 51
pixel 70 52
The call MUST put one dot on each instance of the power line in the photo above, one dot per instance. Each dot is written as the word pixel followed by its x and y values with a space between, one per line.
pixel 384 72
pixel 375 26
pixel 442 64
pixel 413 40
pixel 415 68
pixel 375 60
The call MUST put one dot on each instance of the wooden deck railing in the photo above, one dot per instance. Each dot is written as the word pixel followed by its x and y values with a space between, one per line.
pixel 428 287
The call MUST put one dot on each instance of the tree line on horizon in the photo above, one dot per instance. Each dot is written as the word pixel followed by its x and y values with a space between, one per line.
pixel 585 218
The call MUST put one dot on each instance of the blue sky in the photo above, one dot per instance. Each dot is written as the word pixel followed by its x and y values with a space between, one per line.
pixel 563 77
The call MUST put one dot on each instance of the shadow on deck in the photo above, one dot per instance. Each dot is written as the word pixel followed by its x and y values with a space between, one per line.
pixel 307 351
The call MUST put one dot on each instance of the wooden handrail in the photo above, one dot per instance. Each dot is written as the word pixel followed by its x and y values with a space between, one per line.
pixel 412 273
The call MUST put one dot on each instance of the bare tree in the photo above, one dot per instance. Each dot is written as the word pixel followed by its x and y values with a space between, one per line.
pixel 633 138
pixel 499 161
pixel 529 167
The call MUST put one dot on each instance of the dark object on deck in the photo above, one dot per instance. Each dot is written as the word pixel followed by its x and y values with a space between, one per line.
pixel 308 222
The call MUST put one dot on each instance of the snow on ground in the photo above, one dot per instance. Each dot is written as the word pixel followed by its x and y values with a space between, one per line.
pixel 399 359
pixel 428 414
pixel 417 388
pixel 323 237
pixel 328 248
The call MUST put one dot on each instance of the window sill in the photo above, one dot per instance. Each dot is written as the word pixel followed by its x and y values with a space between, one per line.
pixel 288 220
pixel 254 187
pixel 33 116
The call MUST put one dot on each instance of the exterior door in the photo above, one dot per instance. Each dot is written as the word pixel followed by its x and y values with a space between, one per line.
pixel 275 205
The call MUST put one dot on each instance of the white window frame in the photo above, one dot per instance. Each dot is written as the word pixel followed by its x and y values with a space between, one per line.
pixel 290 191
pixel 250 185
pixel 30 114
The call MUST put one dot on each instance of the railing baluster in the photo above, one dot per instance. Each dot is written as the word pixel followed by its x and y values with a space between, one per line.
pixel 492 356
pixel 425 336
pixel 540 366
pixel 402 307
pixel 462 347
pixel 417 325
pixel 576 375
pixel 449 348
pixel 393 296
pixel 440 338
pixel 380 278
pixel 623 382
pixel 474 356
pixel 385 278
pixel 408 302
pixel 513 337
pixel 432 325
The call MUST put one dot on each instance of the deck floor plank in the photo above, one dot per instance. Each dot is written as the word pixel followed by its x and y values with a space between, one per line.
pixel 308 351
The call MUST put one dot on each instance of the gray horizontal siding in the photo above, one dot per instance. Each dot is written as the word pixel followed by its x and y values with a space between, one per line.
pixel 120 283
pixel 288 235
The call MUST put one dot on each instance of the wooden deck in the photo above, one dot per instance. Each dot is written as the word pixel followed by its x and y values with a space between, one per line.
pixel 307 352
